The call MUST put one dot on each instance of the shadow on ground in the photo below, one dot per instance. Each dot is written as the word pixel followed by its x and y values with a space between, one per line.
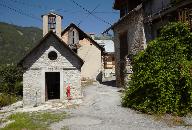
pixel 111 83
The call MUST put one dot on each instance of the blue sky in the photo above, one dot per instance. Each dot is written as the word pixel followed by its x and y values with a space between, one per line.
pixel 11 10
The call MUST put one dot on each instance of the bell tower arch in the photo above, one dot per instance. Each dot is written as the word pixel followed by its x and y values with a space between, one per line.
pixel 52 22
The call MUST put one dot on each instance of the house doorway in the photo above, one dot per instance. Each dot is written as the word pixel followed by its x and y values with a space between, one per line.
pixel 123 55
pixel 52 85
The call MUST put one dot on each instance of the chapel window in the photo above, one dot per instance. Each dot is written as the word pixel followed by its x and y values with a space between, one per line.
pixel 52 55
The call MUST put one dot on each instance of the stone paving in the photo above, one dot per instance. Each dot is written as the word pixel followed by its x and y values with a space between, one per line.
pixel 101 110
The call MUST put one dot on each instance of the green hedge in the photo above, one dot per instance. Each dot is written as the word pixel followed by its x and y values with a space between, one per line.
pixel 162 78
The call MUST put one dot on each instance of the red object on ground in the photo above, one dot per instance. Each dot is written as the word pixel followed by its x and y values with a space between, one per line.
pixel 68 92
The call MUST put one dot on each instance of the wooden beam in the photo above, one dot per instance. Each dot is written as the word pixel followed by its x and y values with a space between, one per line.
pixel 165 12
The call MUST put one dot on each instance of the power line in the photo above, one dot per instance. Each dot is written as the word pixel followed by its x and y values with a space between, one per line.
pixel 95 12
pixel 19 11
pixel 105 12
pixel 86 10
pixel 89 14
pixel 30 5
pixel 35 5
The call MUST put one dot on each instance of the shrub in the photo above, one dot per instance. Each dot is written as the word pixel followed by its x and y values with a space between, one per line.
pixel 162 78
pixel 11 79
pixel 7 99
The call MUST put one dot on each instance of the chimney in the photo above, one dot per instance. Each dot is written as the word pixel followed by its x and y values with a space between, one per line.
pixel 52 22
pixel 92 35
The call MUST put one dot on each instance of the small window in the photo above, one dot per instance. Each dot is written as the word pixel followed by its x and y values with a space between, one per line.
pixel 52 55
pixel 73 37
pixel 113 58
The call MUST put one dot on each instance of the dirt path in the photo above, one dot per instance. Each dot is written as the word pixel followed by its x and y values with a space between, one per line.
pixel 101 110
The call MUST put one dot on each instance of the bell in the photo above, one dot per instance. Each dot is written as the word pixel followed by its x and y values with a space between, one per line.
pixel 52 26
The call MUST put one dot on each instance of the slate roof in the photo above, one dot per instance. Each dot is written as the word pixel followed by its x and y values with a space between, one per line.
pixel 108 45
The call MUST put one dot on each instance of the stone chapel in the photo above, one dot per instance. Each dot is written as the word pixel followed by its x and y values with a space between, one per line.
pixel 51 66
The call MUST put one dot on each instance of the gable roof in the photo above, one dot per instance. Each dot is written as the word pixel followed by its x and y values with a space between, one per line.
pixel 83 34
pixel 61 41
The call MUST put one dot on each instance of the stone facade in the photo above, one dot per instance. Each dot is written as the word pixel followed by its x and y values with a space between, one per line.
pixel 37 63
pixel 131 28
pixel 87 50
pixel 140 22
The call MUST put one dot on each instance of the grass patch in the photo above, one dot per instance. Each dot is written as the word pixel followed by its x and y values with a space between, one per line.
pixel 34 120
pixel 7 99
pixel 2 113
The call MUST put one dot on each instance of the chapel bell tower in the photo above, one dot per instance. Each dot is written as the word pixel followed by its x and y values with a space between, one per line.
pixel 52 21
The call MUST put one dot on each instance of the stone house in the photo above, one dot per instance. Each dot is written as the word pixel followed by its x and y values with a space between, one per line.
pixel 140 21
pixel 86 48
pixel 108 58
pixel 50 67
pixel 129 37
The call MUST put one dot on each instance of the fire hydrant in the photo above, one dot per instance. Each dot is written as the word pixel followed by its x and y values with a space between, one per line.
pixel 68 92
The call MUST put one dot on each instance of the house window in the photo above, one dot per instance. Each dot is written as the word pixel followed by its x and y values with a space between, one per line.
pixel 52 23
pixel 113 58
pixel 73 37
pixel 185 16
pixel 52 55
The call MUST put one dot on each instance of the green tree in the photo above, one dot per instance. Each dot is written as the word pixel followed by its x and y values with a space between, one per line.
pixel 162 78
pixel 11 79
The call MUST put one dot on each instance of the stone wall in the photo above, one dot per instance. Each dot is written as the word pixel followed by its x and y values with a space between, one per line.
pixel 92 56
pixel 132 24
pixel 37 63
pixel 65 37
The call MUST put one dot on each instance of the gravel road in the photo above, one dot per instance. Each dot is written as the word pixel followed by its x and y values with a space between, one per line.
pixel 101 110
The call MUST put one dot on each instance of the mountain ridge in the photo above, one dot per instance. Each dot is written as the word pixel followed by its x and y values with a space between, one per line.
pixel 17 41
